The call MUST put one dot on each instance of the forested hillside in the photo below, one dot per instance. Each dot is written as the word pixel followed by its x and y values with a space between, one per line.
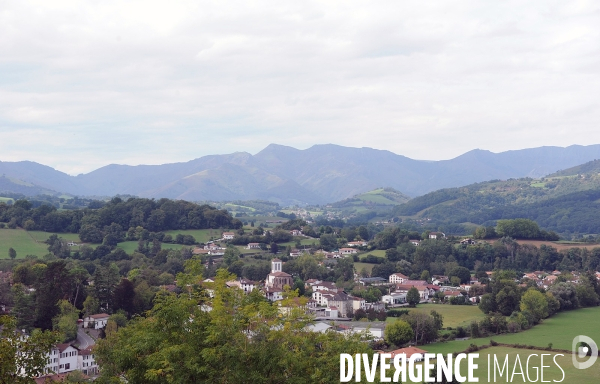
pixel 565 203
pixel 115 218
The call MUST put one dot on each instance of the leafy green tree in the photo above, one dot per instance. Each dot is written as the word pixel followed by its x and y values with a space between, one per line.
pixel 65 322
pixel 507 300
pixel 91 305
pixel 242 338
pixel 412 297
pixel 22 359
pixel 24 307
pixel 426 276
pixel 462 273
pixel 232 254
pixel 535 302
pixel 12 253
pixel 586 295
pixel 398 332
pixel 438 318
pixel 553 303
pixel 566 294
pixel 487 303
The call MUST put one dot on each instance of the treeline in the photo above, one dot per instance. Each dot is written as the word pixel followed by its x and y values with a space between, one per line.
pixel 528 305
pixel 116 218
pixel 440 257
pixel 575 212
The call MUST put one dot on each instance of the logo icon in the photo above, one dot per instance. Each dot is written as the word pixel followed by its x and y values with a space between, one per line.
pixel 582 346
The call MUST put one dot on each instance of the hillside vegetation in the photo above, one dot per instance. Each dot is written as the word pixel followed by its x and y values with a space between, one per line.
pixel 563 203
pixel 376 200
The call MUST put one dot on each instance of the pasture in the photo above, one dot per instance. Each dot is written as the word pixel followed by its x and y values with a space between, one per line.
pixel 359 267
pixel 22 242
pixel 454 315
pixel 559 330
pixel 131 246
pixel 567 373
pixel 201 235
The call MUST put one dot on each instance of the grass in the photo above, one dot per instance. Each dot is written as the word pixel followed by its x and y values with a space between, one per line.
pixel 6 199
pixel 302 242
pixel 559 330
pixel 552 372
pixel 454 315
pixel 359 266
pixel 21 241
pixel 378 253
pixel 131 246
pixel 201 235
pixel 41 236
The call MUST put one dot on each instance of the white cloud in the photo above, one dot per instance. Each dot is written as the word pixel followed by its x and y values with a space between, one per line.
pixel 152 82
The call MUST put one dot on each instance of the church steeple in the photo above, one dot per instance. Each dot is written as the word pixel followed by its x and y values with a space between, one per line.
pixel 275 265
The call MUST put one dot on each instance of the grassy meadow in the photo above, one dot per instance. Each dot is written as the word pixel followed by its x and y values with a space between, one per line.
pixel 559 330
pixel 201 235
pixel 22 242
pixel 454 315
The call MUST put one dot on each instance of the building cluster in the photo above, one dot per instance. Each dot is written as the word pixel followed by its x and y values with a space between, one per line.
pixel 65 358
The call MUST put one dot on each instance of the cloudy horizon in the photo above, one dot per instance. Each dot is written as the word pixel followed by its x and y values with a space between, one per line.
pixel 85 84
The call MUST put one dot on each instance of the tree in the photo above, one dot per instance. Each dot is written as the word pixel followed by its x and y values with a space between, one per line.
pixel 425 276
pixel 507 300
pixel 487 303
pixel 398 332
pixel 566 294
pixel 242 338
pixel 22 359
pixel 232 254
pixel 12 253
pixel 462 273
pixel 423 326
pixel 535 302
pixel 274 248
pixel 586 295
pixel 412 297
pixel 65 323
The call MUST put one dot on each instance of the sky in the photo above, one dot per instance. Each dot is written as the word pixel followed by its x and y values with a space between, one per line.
pixel 88 83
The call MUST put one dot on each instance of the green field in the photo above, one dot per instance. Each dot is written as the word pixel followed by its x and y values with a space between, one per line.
pixel 302 242
pixel 22 242
pixel 6 199
pixel 41 236
pixel 559 330
pixel 201 235
pixel 454 315
pixel 131 246
pixel 377 252
pixel 359 266
pixel 552 372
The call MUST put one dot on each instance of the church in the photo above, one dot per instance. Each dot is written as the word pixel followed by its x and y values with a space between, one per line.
pixel 276 280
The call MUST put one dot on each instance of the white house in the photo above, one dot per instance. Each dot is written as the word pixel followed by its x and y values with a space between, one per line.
pixel 67 358
pixel 96 321
pixel 397 278
pixel 348 251
pixel 437 235
pixel 394 298
pixel 228 235
pixel 87 362
pixel 358 244
pixel 253 246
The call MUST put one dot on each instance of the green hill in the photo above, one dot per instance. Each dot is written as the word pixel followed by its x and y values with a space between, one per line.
pixel 563 202
pixel 375 200
pixel 587 168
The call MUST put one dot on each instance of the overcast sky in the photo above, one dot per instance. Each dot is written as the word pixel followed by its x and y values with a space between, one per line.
pixel 88 83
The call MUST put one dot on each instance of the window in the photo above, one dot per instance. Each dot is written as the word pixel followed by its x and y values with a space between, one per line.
pixel 68 366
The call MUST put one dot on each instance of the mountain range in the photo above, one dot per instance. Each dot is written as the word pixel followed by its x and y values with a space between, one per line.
pixel 320 174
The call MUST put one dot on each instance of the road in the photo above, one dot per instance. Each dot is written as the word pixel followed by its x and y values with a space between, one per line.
pixel 84 339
